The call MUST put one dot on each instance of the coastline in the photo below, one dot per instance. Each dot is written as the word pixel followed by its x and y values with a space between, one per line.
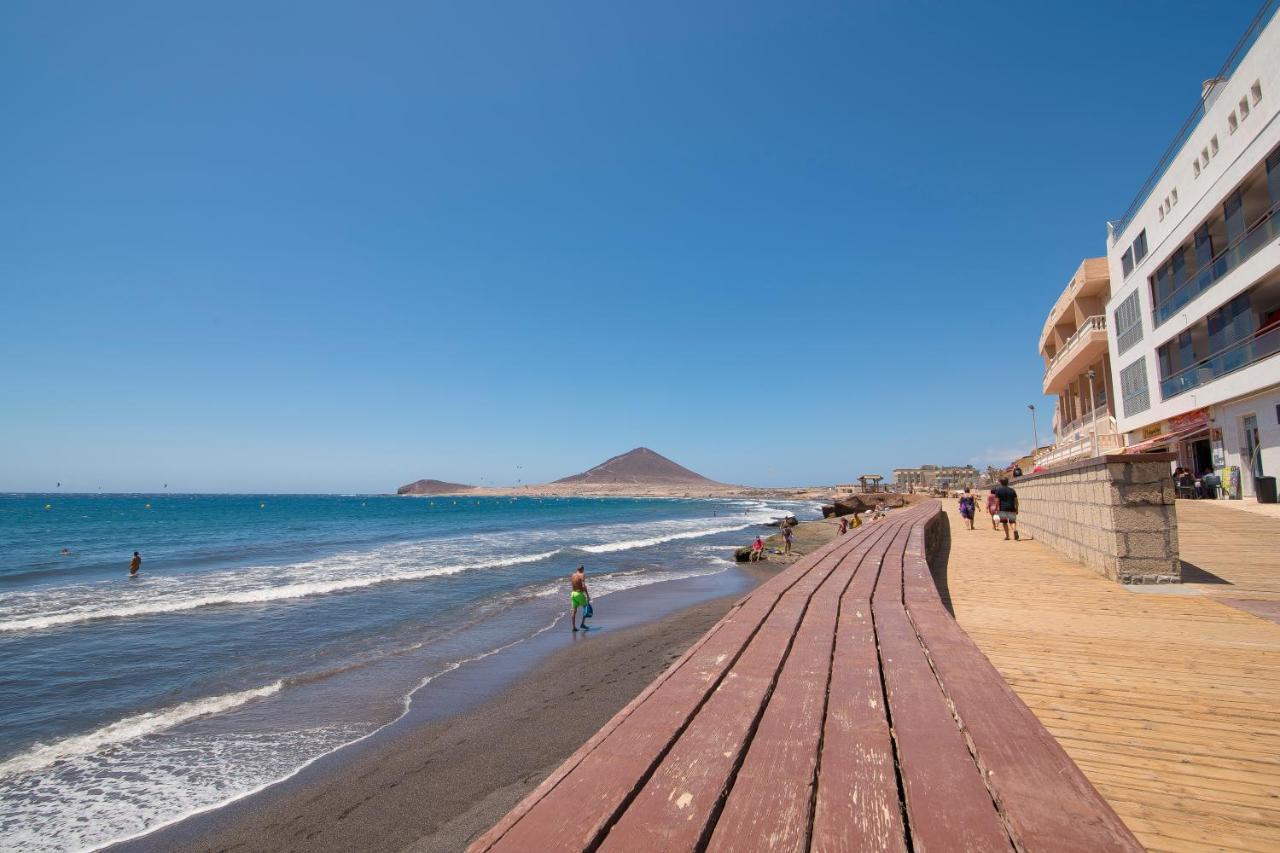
pixel 421 784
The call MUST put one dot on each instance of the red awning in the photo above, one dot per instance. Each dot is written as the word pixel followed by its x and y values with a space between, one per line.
pixel 1177 435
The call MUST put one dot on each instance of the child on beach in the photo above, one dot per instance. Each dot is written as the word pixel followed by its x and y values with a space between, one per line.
pixel 967 508
pixel 844 526
pixel 993 509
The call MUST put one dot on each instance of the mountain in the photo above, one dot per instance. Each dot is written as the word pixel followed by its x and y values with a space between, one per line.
pixel 639 467
pixel 432 487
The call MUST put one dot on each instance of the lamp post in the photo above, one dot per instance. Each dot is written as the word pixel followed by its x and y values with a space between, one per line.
pixel 1035 434
pixel 1093 407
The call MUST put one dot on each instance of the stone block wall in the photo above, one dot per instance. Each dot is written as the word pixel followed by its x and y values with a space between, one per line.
pixel 1115 514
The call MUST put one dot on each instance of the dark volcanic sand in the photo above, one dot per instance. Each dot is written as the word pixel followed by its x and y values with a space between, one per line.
pixel 437 786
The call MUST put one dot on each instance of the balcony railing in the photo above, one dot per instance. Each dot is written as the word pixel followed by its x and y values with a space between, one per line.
pixel 1096 323
pixel 1239 355
pixel 1262 232
pixel 1105 424
pixel 1080 448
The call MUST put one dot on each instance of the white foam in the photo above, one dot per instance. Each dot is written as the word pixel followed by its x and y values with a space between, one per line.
pixel 629 544
pixel 129 728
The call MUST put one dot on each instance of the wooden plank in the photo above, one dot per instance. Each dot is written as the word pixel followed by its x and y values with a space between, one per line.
pixel 769 805
pixel 948 805
pixel 857 806
pixel 676 806
pixel 574 805
pixel 1044 798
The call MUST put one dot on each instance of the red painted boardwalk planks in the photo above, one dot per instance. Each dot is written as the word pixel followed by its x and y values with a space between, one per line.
pixel 948 806
pixel 676 806
pixel 857 805
pixel 1047 803
pixel 769 805
pixel 572 808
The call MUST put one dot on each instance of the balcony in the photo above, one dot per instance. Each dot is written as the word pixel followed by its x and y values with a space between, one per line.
pixel 1262 232
pixel 1237 356
pixel 1079 351
pixel 1081 448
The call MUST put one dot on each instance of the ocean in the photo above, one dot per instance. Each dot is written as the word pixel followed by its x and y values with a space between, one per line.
pixel 267 630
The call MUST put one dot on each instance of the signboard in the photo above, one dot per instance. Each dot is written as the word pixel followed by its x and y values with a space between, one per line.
pixel 1178 423
pixel 1150 431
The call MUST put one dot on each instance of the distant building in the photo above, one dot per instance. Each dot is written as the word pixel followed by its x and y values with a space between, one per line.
pixel 935 477
pixel 1195 281
pixel 1077 368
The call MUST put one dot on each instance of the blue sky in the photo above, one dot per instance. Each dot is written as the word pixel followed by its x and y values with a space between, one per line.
pixel 340 246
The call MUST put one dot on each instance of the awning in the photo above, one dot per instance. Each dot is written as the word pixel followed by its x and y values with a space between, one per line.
pixel 1176 435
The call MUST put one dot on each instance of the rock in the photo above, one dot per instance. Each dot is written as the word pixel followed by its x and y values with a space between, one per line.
pixel 432 487
pixel 828 511
pixel 743 554
pixel 777 522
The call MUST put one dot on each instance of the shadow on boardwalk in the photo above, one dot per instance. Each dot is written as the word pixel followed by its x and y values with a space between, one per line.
pixel 938 556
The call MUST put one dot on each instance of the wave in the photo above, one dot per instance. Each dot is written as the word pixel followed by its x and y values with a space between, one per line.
pixel 253 596
pixel 629 544
pixel 130 728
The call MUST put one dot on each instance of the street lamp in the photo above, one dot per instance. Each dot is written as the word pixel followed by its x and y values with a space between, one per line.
pixel 1035 434
pixel 1093 407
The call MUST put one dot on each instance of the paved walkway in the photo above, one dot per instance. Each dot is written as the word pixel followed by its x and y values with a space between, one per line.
pixel 1169 702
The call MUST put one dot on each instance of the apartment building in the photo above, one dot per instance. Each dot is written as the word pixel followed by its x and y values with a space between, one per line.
pixel 1193 320
pixel 1077 368
pixel 935 476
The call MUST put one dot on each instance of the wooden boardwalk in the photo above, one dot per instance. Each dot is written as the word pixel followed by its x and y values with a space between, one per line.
pixel 1168 700
pixel 836 707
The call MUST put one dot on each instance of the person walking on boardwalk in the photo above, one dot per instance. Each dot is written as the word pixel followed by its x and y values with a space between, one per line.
pixel 578 595
pixel 993 509
pixel 967 507
pixel 786 539
pixel 135 564
pixel 1008 500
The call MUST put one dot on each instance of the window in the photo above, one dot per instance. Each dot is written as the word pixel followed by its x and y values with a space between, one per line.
pixel 1128 323
pixel 1244 108
pixel 1213 147
pixel 1174 195
pixel 1126 261
pixel 1161 212
pixel 1195 164
pixel 1256 91
pixel 1140 247
pixel 1133 388
pixel 1204 157
pixel 1232 124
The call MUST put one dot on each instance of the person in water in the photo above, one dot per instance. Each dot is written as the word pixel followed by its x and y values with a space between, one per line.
pixel 135 564
pixel 578 595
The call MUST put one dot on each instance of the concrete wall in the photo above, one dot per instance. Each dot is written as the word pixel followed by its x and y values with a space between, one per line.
pixel 1115 514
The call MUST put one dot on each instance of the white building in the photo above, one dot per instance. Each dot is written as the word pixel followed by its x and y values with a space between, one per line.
pixel 1194 313
pixel 1077 368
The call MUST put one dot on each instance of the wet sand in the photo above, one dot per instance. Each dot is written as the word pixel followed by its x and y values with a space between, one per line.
pixel 436 784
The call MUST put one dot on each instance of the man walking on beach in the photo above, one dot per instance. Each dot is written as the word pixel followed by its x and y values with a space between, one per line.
pixel 578 596
pixel 135 564
pixel 1007 498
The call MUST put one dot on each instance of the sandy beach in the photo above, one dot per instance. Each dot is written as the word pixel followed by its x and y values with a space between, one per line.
pixel 434 784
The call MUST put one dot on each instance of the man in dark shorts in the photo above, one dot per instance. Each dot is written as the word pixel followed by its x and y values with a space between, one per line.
pixel 1008 500
pixel 135 564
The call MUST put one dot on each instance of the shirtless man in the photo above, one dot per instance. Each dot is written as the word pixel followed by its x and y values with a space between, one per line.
pixel 578 597
pixel 135 564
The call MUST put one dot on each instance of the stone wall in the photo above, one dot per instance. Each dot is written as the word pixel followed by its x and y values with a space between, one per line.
pixel 1115 514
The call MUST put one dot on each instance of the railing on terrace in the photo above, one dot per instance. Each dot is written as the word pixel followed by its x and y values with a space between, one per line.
pixel 1096 323
pixel 1241 354
pixel 1263 231
pixel 1105 423
pixel 1184 133
pixel 1080 448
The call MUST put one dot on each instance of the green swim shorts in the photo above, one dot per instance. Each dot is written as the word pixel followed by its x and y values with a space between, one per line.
pixel 578 599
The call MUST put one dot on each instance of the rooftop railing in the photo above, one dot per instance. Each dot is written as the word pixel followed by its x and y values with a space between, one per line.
pixel 1096 323
pixel 1241 354
pixel 1184 133
pixel 1262 232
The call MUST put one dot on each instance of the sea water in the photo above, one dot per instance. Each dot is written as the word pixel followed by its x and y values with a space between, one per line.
pixel 266 630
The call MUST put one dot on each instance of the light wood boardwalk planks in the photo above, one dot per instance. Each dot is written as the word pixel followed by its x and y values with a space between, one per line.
pixel 1169 702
